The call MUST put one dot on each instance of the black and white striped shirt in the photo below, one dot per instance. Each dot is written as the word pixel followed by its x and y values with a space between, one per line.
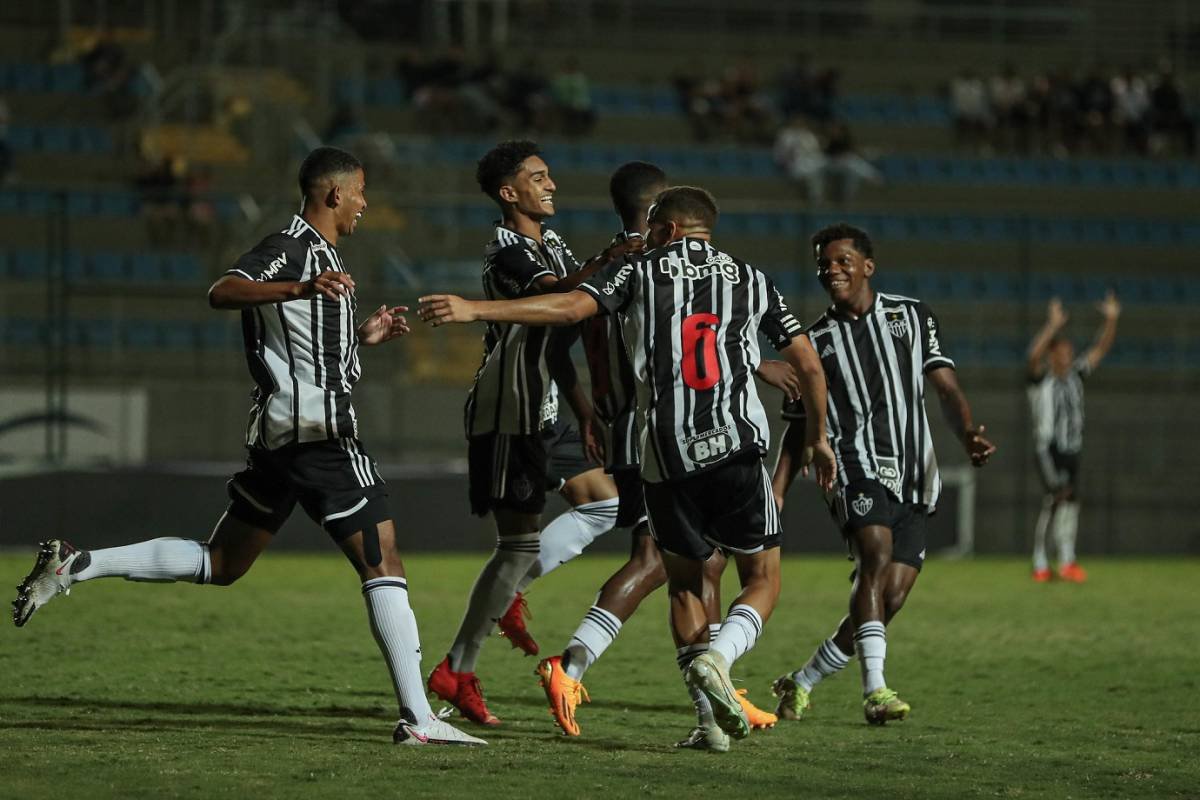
pixel 1057 406
pixel 692 316
pixel 614 390
pixel 513 392
pixel 875 369
pixel 302 354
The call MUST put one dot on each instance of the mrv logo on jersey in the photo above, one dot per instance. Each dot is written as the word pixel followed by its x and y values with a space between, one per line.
pixel 718 265
pixel 710 445
pixel 618 279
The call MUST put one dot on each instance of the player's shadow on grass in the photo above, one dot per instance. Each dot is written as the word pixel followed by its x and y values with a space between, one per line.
pixel 539 701
pixel 201 708
pixel 162 724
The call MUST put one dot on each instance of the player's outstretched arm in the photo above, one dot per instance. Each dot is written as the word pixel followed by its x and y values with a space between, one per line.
pixel 385 324
pixel 1056 318
pixel 958 413
pixel 1110 308
pixel 782 376
pixel 803 358
pixel 544 309
pixel 236 292
pixel 590 267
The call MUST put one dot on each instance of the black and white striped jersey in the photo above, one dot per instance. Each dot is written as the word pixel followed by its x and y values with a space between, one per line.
pixel 302 354
pixel 614 390
pixel 513 392
pixel 875 369
pixel 692 316
pixel 1057 407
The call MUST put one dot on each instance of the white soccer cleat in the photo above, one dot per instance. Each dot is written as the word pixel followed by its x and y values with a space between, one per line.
pixel 709 673
pixel 50 576
pixel 435 730
pixel 706 737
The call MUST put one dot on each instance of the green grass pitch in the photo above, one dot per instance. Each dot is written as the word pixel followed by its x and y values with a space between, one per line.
pixel 275 688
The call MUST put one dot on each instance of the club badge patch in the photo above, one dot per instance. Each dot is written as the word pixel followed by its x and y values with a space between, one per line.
pixel 862 504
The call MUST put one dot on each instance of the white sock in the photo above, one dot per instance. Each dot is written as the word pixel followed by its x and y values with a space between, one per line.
pixel 1040 560
pixel 870 642
pixel 395 629
pixel 704 711
pixel 739 632
pixel 1065 529
pixel 714 629
pixel 827 660
pixel 593 636
pixel 158 560
pixel 568 535
pixel 491 596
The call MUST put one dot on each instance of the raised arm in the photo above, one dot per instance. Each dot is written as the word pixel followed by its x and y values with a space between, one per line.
pixel 1056 318
pixel 544 309
pixel 957 412
pixel 1110 308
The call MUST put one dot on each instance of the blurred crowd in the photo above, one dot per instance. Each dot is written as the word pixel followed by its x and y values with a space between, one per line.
pixel 1099 111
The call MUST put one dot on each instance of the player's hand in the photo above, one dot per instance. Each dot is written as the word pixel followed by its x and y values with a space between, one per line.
pixel 782 376
pixel 440 309
pixel 820 457
pixel 593 444
pixel 330 284
pixel 979 448
pixel 1056 315
pixel 632 244
pixel 1110 307
pixel 386 323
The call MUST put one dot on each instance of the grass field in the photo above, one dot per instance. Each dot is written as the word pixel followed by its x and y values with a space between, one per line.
pixel 275 688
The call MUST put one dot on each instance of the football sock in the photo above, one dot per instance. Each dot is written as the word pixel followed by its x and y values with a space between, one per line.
pixel 683 657
pixel 739 632
pixel 870 642
pixel 568 535
pixel 827 660
pixel 1040 560
pixel 714 628
pixel 593 636
pixel 395 629
pixel 158 560
pixel 490 596
pixel 1065 529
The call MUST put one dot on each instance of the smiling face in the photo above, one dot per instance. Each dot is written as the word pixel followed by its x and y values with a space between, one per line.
pixel 845 273
pixel 351 196
pixel 530 189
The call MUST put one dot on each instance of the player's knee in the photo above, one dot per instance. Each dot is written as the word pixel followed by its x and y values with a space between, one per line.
pixel 224 573
pixel 649 572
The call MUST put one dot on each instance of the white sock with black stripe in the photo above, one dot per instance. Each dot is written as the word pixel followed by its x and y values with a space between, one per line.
pixel 827 660
pixel 569 534
pixel 395 629
pixel 683 657
pixel 739 632
pixel 491 596
pixel 1066 526
pixel 870 642
pixel 595 633
pixel 162 560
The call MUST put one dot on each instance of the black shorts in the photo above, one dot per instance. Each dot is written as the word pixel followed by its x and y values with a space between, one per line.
pixel 730 507
pixel 1058 470
pixel 632 508
pixel 335 482
pixel 507 471
pixel 565 456
pixel 865 503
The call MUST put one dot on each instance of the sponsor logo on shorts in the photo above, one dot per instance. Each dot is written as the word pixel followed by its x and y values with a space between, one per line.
pixel 862 504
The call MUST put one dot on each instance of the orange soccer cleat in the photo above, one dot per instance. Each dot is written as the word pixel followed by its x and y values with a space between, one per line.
pixel 563 692
pixel 512 626
pixel 1043 575
pixel 758 718
pixel 1072 572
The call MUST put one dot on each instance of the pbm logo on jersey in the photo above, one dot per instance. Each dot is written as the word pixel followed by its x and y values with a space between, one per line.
pixel 862 504
pixel 710 446
pixel 273 268
pixel 618 279
pixel 898 326
pixel 718 265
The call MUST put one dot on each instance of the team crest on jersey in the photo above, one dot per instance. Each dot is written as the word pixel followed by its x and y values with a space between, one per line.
pixel 522 488
pixel 898 326
pixel 862 504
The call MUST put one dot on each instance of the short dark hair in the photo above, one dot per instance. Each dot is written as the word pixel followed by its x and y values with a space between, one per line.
pixel 325 162
pixel 501 163
pixel 686 203
pixel 631 187
pixel 842 230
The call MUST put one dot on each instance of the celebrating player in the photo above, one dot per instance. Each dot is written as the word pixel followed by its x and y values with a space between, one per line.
pixel 692 315
pixel 298 310
pixel 518 446
pixel 1056 400
pixel 876 350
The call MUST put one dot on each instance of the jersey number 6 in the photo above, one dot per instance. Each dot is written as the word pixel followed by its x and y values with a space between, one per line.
pixel 701 370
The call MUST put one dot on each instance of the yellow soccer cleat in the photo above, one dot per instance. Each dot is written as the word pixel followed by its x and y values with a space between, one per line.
pixel 883 705
pixel 563 692
pixel 758 719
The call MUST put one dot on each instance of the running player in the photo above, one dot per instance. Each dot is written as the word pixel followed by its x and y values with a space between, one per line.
pixel 633 188
pixel 298 321
pixel 692 315
pixel 1056 400
pixel 518 447
pixel 877 350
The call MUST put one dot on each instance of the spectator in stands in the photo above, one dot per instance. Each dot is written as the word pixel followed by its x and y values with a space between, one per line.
pixel 571 96
pixel 971 111
pixel 1006 93
pixel 1096 109
pixel 528 96
pixel 1131 104
pixel 846 168
pixel 798 153
pixel 746 109
pixel 1169 117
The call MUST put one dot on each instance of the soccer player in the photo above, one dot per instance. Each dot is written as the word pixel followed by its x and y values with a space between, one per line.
pixel 298 321
pixel 1056 400
pixel 692 316
pixel 518 448
pixel 877 351
pixel 633 188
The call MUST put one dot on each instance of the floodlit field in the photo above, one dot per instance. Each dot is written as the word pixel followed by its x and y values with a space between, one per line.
pixel 275 688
